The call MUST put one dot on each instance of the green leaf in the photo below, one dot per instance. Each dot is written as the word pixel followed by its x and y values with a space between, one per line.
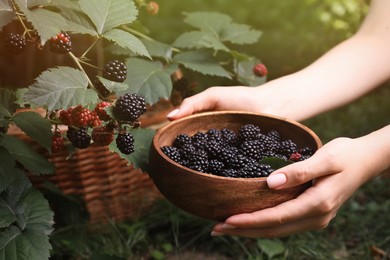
pixel 108 14
pixel 68 4
pixel 7 102
pixel 7 216
pixel 148 79
pixel 142 140
pixel 78 22
pixel 199 39
pixel 202 62
pixel 32 3
pixel 36 127
pixel 208 21
pixel 22 152
pixel 271 247
pixel 7 14
pixel 112 86
pixel 7 168
pixel 47 23
pixel 245 75
pixel 61 88
pixel 127 40
pixel 240 34
pixel 275 163
pixel 158 49
pixel 28 238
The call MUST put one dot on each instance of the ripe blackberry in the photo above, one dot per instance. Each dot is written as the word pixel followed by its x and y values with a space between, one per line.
pixel 103 135
pixel 15 43
pixel 306 151
pixel 186 151
pixel 213 148
pixel 129 107
pixel 274 135
pixel 228 154
pixel 101 112
pixel 172 152
pixel 260 70
pixel 199 140
pixel 265 170
pixel 57 143
pixel 125 143
pixel 199 161
pixel 215 167
pixel 214 135
pixel 229 137
pixel 61 43
pixel 248 132
pixel 252 148
pixel 239 161
pixel 229 172
pixel 115 70
pixel 251 170
pixel 181 140
pixel 287 147
pixel 79 137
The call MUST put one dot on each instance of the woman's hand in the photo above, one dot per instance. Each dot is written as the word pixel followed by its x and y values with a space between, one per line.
pixel 338 169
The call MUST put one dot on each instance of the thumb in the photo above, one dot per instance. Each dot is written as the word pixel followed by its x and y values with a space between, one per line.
pixel 298 173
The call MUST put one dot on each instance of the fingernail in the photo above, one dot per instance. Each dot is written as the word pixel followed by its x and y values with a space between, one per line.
pixel 276 180
pixel 172 113
pixel 228 226
pixel 215 233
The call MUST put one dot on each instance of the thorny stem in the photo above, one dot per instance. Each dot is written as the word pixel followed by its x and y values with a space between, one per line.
pixel 76 60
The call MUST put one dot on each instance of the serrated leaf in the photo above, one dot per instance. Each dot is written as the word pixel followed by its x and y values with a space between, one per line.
pixel 199 39
pixel 245 75
pixel 240 34
pixel 7 168
pixel 208 21
pixel 61 88
pixel 108 14
pixel 142 140
pixel 68 4
pixel 158 49
pixel 36 127
pixel 148 79
pixel 28 237
pixel 32 3
pixel 7 14
pixel 7 102
pixel 78 22
pixel 26 155
pixel 127 40
pixel 7 217
pixel 47 23
pixel 202 62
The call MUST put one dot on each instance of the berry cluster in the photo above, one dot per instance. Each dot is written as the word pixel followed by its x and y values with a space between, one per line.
pixel 61 43
pixel 227 153
pixel 129 107
pixel 115 70
pixel 80 116
pixel 15 43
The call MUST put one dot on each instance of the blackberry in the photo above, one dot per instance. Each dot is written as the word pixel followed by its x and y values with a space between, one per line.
pixel 199 140
pixel 229 136
pixel 181 140
pixel 306 151
pixel 57 143
pixel 227 154
pixel 248 132
pixel 239 161
pixel 265 170
pixel 115 70
pixel 186 151
pixel 199 161
pixel 252 148
pixel 79 137
pixel 15 43
pixel 274 135
pixel 101 112
pixel 82 117
pixel 129 107
pixel 251 170
pixel 215 167
pixel 213 148
pixel 172 152
pixel 229 172
pixel 214 135
pixel 287 147
pixel 101 89
pixel 125 143
pixel 61 43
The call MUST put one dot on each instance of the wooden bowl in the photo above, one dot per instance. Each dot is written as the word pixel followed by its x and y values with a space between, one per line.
pixel 215 197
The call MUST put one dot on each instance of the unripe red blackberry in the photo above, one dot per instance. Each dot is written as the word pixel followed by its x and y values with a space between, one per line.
pixel 129 107
pixel 152 8
pixel 66 116
pixel 260 70
pixel 101 112
pixel 103 135
pixel 125 143
pixel 57 143
pixel 79 137
pixel 61 43
pixel 15 43
pixel 82 117
pixel 115 70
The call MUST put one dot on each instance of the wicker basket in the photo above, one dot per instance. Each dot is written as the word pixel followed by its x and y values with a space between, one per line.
pixel 111 188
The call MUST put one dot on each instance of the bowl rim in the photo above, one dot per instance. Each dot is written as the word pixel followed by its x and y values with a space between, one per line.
pixel 201 114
